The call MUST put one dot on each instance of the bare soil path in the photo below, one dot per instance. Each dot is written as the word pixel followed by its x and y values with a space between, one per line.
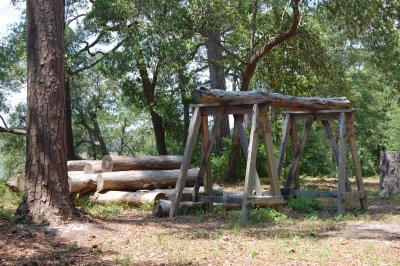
pixel 134 237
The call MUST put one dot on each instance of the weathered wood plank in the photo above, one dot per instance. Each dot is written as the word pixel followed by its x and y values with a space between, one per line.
pixel 207 153
pixel 269 151
pixel 205 136
pixel 251 164
pixel 261 201
pixel 274 100
pixel 187 157
pixel 356 164
pixel 335 150
pixel 284 139
pixel 299 152
pixel 342 163
pixel 293 145
pixel 245 147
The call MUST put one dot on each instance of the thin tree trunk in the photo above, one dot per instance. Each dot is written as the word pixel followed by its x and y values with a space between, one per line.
pixel 217 77
pixel 256 56
pixel 46 197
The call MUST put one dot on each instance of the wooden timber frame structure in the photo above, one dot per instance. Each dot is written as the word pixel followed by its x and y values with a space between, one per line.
pixel 346 134
pixel 260 125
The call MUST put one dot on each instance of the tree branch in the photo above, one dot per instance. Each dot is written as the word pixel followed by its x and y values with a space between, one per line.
pixel 271 43
pixel 4 122
pixel 98 60
pixel 74 18
pixel 14 131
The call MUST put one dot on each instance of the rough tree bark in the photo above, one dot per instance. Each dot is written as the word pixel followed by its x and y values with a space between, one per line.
pixel 217 77
pixel 46 197
pixel 389 169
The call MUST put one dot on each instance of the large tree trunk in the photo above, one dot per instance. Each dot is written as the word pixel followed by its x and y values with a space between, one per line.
pixel 113 163
pixel 136 179
pixel 389 173
pixel 217 77
pixel 46 197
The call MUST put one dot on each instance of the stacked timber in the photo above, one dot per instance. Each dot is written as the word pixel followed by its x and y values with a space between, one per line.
pixel 139 180
pixel 134 180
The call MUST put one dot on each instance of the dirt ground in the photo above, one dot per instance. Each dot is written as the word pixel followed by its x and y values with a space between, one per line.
pixel 134 237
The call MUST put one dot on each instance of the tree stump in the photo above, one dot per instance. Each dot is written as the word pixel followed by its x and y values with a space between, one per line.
pixel 389 169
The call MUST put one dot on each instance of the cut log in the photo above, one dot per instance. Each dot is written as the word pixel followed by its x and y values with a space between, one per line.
pixel 137 198
pixel 146 179
pixel 389 173
pixel 16 183
pixel 163 207
pixel 113 163
pixel 81 183
pixel 276 100
pixel 93 167
pixel 78 165
pixel 78 182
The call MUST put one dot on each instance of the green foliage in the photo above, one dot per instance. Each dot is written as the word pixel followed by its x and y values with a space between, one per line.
pixel 263 215
pixel 9 202
pixel 72 246
pixel 85 205
pixel 304 204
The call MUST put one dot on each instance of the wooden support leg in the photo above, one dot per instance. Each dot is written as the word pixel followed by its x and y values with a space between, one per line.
pixel 342 164
pixel 265 126
pixel 356 163
pixel 187 157
pixel 205 136
pixel 207 154
pixel 293 144
pixel 245 146
pixel 282 148
pixel 299 152
pixel 335 151
pixel 250 165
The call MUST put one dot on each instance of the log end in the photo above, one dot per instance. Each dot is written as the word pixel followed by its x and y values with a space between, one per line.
pixel 107 164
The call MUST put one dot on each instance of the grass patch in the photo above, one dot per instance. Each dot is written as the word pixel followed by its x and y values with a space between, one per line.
pixel 304 204
pixel 9 202
pixel 98 210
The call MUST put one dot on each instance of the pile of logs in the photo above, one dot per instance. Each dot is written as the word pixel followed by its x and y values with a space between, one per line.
pixel 121 179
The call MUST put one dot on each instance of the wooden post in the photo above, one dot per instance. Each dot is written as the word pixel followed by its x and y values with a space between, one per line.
pixel 265 127
pixel 284 139
pixel 251 164
pixel 207 154
pixel 187 157
pixel 356 160
pixel 245 146
pixel 342 164
pixel 205 136
pixel 293 144
pixel 299 152
pixel 335 151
